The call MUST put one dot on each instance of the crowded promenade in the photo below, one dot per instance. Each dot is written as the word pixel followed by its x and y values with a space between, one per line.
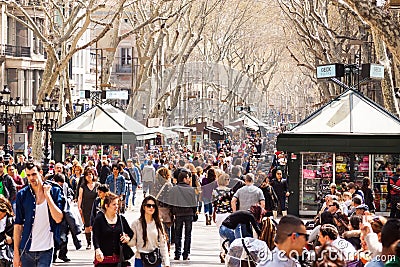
pixel 220 206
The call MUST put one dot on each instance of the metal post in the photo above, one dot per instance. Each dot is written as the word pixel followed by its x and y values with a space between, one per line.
pixel 46 144
pixel 97 71
pixel 6 148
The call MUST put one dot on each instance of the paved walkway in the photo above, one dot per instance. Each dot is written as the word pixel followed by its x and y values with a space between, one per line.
pixel 204 249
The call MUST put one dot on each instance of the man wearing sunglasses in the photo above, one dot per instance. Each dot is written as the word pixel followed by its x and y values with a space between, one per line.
pixel 290 239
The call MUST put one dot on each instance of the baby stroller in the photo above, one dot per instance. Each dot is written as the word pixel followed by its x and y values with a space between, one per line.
pixel 247 252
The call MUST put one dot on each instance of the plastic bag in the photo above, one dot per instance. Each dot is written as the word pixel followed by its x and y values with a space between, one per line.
pixel 237 255
pixel 77 215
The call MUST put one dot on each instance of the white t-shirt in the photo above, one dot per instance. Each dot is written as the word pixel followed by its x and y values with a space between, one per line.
pixel 42 237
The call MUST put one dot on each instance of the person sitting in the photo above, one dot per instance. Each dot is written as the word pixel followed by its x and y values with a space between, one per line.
pixel 334 257
pixel 389 236
pixel 329 234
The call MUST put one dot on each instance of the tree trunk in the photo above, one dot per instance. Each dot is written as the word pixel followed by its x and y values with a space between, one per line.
pixel 389 99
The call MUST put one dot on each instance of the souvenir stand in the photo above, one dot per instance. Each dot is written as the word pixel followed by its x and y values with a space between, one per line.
pixel 103 129
pixel 346 140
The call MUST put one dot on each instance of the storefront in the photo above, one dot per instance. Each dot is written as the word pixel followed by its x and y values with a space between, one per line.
pixel 346 140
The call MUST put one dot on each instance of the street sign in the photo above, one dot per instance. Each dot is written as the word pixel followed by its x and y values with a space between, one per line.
pixel 123 94
pixel 330 71
pixel 21 142
pixel 372 71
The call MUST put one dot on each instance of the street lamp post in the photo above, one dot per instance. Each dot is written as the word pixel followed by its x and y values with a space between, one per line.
pixel 144 108
pixel 46 121
pixel 10 110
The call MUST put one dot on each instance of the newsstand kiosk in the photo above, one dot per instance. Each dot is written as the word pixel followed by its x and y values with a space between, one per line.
pixel 346 140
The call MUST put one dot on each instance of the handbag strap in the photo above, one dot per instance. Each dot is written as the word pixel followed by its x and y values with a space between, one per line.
pixel 162 188
pixel 122 227
pixel 249 257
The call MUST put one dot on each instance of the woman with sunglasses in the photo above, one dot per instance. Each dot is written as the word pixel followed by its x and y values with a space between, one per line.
pixel 148 233
pixel 110 230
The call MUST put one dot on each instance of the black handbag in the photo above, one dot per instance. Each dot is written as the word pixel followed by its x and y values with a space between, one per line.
pixel 125 251
pixel 151 259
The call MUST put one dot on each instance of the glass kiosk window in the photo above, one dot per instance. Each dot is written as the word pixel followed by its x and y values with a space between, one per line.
pixel 383 168
pixel 317 175
pixel 351 168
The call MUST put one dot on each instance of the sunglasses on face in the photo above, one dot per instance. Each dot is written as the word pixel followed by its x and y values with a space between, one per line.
pixel 150 206
pixel 300 234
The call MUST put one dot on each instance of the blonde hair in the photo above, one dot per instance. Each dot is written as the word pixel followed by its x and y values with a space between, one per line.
pixel 221 179
pixel 191 168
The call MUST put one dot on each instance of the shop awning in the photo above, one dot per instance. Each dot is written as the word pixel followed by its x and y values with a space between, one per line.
pixel 349 123
pixel 182 129
pixel 165 132
pixel 214 129
pixel 231 128
pixel 250 122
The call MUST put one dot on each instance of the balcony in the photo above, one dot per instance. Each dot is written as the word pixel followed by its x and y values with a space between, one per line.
pixel 15 51
pixel 119 68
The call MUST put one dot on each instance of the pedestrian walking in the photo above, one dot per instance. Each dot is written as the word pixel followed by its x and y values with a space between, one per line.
pixel 110 231
pixel 87 195
pixel 183 200
pixel 38 214
pixel 149 236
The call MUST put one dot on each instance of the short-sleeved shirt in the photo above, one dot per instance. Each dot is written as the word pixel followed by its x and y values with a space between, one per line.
pixel 248 195
pixel 222 200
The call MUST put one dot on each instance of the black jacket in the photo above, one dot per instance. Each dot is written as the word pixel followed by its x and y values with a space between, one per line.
pixel 107 238
pixel 10 190
pixel 242 217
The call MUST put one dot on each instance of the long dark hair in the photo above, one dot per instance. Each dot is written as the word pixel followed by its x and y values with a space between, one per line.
pixel 156 218
pixel 86 172
pixel 366 182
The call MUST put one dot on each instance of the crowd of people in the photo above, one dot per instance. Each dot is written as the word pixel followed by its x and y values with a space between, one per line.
pixel 37 212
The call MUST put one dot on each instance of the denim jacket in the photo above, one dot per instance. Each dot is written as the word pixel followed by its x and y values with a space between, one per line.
pixel 25 212
pixel 118 187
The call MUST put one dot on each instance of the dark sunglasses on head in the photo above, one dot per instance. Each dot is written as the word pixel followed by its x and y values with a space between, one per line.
pixel 150 205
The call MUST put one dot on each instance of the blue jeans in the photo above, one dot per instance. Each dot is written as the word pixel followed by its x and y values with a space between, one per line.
pixel 241 231
pixel 138 263
pixel 134 187
pixel 127 194
pixel 37 258
pixel 208 208
pixel 179 222
pixel 226 233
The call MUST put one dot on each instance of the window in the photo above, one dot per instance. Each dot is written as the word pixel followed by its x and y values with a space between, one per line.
pixel 126 56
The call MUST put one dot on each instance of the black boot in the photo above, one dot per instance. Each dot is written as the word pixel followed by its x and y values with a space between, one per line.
pixel 88 240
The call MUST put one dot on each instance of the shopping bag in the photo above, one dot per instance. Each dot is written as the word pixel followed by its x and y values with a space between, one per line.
pixel 75 211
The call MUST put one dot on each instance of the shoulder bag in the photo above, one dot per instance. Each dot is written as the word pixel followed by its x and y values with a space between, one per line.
pixel 125 251
pixel 165 212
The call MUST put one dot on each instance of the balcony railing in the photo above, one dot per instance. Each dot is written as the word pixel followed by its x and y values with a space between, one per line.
pixel 15 51
pixel 119 68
